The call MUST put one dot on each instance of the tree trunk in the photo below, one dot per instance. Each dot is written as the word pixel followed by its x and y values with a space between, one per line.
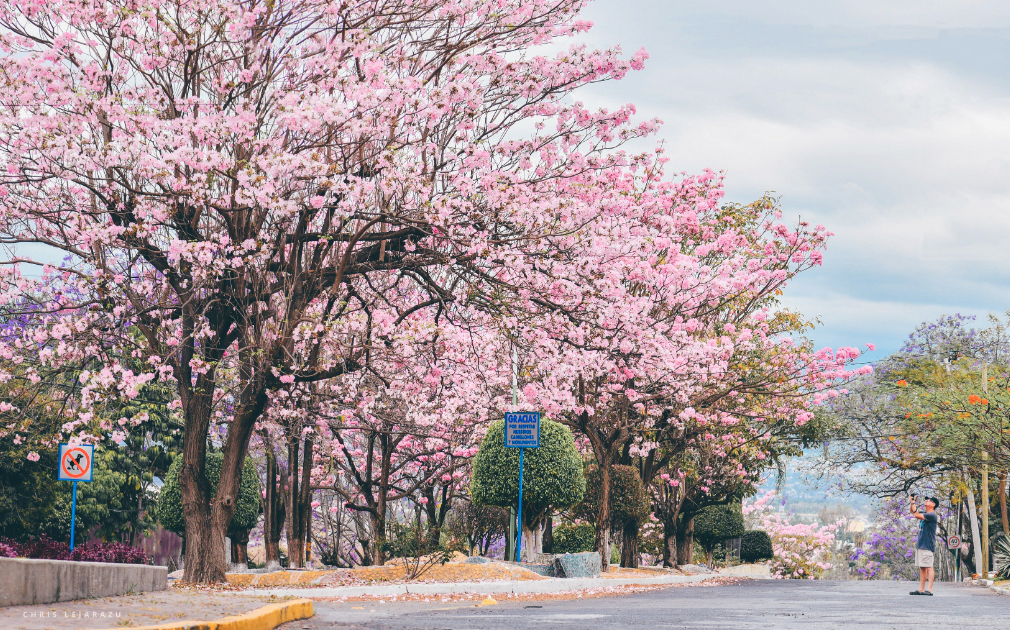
pixel 273 510
pixel 602 542
pixel 1002 503
pixel 377 523
pixel 305 500
pixel 510 550
pixel 548 545
pixel 670 545
pixel 239 547
pixel 529 548
pixel 208 517
pixel 630 558
pixel 685 540
pixel 294 527
pixel 300 495
pixel 135 524
pixel 205 562
pixel 436 513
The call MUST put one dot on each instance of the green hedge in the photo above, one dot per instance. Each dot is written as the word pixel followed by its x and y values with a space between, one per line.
pixel 246 512
pixel 574 538
pixel 755 545
pixel 552 474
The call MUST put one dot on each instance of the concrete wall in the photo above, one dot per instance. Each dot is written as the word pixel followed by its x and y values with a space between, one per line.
pixel 45 581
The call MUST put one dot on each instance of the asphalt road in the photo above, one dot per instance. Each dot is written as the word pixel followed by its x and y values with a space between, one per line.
pixel 753 604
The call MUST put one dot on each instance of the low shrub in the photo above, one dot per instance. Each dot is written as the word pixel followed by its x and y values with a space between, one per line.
pixel 755 546
pixel 110 552
pixel 574 538
pixel 45 548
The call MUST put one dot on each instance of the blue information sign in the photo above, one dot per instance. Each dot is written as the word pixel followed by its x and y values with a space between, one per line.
pixel 522 429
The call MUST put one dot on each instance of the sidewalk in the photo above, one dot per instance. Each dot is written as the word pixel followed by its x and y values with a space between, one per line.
pixel 132 610
pixel 546 585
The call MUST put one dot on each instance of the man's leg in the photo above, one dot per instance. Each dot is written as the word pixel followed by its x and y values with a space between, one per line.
pixel 931 574
pixel 922 579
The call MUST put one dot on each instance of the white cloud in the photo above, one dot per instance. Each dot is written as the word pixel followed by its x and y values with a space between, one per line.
pixel 874 119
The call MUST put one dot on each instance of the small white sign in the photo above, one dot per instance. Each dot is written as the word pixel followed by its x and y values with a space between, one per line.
pixel 953 542
pixel 76 462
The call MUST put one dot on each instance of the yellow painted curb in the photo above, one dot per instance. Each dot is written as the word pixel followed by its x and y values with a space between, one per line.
pixel 265 618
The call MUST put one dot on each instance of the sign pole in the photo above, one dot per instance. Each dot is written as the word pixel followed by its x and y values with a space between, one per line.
pixel 73 516
pixel 519 520
pixel 75 464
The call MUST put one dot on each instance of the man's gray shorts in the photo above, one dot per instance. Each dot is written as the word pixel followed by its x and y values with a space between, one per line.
pixel 924 558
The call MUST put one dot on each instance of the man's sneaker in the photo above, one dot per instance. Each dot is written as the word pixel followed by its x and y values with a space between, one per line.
pixel 916 593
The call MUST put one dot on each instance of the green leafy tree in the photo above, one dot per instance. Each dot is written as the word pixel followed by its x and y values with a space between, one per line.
pixel 552 476
pixel 715 524
pixel 30 495
pixel 247 509
pixel 629 506
pixel 140 438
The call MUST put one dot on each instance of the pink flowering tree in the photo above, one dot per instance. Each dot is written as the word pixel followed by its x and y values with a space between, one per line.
pixel 202 185
pixel 801 551
pixel 667 320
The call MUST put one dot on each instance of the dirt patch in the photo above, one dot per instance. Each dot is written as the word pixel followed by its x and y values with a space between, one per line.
pixel 449 572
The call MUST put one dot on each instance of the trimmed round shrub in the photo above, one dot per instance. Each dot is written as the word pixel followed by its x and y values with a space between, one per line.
pixel 552 474
pixel 755 546
pixel 716 523
pixel 246 511
pixel 574 538
pixel 628 500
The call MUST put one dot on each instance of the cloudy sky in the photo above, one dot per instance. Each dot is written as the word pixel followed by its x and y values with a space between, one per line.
pixel 888 122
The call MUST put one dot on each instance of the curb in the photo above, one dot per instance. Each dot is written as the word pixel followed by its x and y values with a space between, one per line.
pixel 265 618
pixel 550 585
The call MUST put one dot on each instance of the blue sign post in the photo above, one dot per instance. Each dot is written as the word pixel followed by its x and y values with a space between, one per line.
pixel 522 431
pixel 76 464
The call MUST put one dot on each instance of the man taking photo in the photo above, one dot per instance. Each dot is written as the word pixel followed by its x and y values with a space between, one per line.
pixel 925 545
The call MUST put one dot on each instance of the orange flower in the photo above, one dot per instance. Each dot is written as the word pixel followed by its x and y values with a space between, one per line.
pixel 974 400
pixel 902 383
pixel 908 415
pixel 985 401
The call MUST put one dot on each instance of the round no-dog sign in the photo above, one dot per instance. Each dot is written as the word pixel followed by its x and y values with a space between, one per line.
pixel 953 542
pixel 75 462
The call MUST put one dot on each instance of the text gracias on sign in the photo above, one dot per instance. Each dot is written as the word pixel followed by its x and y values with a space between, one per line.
pixel 523 430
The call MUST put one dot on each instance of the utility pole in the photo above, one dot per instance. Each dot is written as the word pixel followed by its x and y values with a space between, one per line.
pixel 973 520
pixel 515 528
pixel 985 488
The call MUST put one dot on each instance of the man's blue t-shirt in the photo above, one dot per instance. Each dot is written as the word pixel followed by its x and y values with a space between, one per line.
pixel 927 532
